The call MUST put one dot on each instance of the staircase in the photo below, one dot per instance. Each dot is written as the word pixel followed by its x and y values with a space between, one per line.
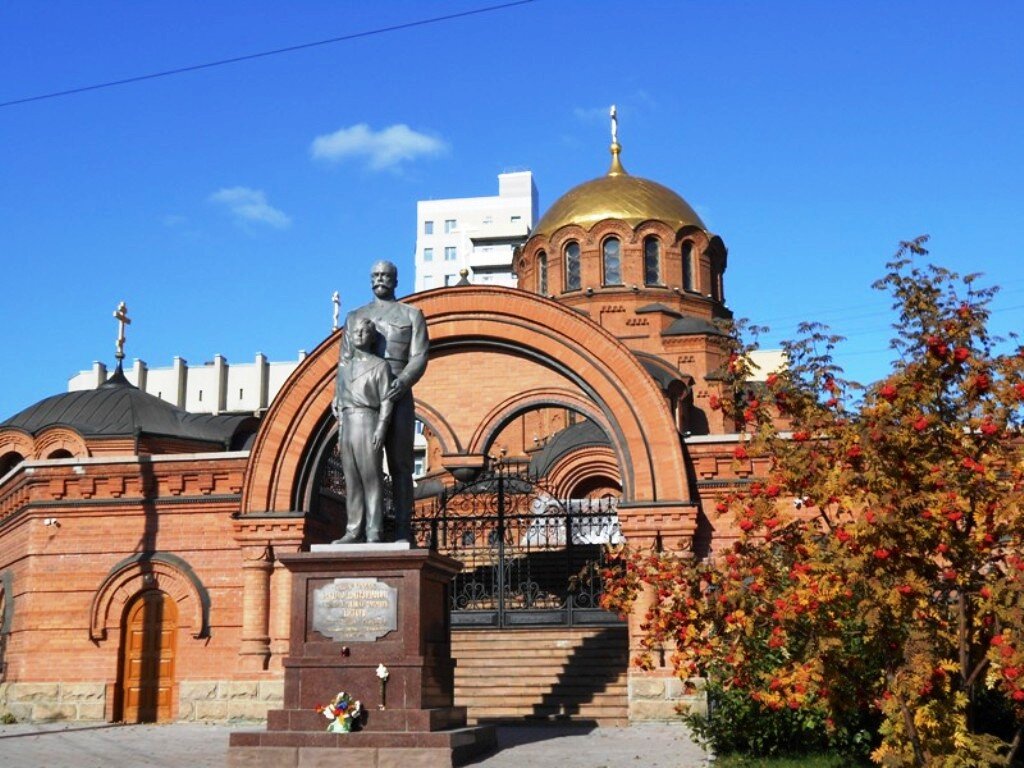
pixel 557 675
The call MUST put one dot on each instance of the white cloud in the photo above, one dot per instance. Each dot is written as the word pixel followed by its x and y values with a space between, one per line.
pixel 381 149
pixel 250 205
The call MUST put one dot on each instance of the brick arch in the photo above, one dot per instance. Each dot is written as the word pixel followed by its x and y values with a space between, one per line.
pixel 60 439
pixel 161 570
pixel 585 464
pixel 439 425
pixel 16 441
pixel 537 333
pixel 278 453
pixel 503 413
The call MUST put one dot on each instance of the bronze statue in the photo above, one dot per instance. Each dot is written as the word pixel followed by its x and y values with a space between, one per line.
pixel 401 339
pixel 365 411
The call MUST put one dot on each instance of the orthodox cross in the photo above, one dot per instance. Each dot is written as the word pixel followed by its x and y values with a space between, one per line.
pixel 336 301
pixel 615 124
pixel 122 320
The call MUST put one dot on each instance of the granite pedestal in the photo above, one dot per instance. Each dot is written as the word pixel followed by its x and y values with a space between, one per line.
pixel 355 607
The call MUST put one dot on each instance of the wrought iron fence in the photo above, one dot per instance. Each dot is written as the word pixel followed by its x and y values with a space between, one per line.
pixel 529 559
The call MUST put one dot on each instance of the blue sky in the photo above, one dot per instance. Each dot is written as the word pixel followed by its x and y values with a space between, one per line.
pixel 812 136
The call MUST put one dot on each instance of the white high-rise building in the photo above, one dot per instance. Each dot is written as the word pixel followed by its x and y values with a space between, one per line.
pixel 477 234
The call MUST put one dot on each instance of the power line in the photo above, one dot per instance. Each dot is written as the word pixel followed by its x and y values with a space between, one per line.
pixel 262 54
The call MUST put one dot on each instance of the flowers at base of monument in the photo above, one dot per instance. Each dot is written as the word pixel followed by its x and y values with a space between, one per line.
pixel 344 713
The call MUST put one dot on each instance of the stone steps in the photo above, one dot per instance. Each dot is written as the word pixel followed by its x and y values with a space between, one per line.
pixel 542 675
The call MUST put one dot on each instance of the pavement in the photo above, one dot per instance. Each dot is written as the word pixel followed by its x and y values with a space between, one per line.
pixel 181 745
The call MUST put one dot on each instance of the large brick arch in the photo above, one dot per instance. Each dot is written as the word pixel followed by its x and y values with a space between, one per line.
pixel 487 343
pixel 499 416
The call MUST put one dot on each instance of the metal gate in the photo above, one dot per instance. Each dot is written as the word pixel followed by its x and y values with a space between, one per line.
pixel 529 559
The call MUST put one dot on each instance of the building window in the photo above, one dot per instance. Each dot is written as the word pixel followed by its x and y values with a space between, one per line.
pixel 419 427
pixel 449 226
pixel 572 267
pixel 688 266
pixel 449 253
pixel 542 273
pixel 450 279
pixel 652 261
pixel 428 227
pixel 428 254
pixel 611 261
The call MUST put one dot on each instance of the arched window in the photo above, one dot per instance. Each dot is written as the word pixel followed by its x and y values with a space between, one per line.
pixel 9 461
pixel 572 266
pixel 652 261
pixel 688 266
pixel 716 283
pixel 542 273
pixel 61 453
pixel 612 261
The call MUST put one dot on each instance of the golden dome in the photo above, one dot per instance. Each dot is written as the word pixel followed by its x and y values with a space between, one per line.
pixel 617 196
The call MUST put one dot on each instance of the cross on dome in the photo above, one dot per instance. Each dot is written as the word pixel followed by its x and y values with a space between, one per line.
pixel 122 320
pixel 616 148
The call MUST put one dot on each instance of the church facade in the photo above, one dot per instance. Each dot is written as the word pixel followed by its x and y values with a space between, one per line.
pixel 139 543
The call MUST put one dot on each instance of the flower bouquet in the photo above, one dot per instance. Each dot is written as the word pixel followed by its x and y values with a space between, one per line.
pixel 343 712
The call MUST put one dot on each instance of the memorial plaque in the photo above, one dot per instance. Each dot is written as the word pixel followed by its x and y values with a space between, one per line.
pixel 355 610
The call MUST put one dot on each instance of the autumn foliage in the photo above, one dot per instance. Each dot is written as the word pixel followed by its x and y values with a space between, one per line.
pixel 877 577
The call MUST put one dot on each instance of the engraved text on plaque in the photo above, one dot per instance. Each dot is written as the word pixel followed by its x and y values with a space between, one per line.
pixel 355 610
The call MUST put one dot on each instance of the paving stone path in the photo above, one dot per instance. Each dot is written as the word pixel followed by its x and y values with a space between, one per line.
pixel 206 746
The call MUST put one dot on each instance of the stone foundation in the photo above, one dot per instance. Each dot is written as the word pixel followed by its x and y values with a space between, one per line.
pixel 664 699
pixel 45 702
pixel 205 701
pixel 228 701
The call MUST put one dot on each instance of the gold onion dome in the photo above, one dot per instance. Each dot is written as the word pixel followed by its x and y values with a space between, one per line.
pixel 620 196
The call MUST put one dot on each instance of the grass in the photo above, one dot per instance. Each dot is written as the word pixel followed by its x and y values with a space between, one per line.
pixel 805 761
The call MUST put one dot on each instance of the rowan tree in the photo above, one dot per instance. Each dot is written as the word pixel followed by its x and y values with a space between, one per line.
pixel 878 568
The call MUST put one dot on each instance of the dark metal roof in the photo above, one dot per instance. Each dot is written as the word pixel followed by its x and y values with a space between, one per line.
pixel 692 326
pixel 118 409
pixel 582 434
pixel 658 307
pixel 661 371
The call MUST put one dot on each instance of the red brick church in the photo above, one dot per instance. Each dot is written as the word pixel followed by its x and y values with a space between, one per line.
pixel 139 543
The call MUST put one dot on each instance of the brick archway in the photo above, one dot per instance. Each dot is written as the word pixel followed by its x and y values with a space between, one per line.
pixel 499 416
pixel 487 344
pixel 60 440
pixel 136 574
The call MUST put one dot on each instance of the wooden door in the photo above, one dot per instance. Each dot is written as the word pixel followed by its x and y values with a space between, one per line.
pixel 147 671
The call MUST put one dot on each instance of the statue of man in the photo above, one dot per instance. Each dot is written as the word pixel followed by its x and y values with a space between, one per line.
pixel 402 342
pixel 361 400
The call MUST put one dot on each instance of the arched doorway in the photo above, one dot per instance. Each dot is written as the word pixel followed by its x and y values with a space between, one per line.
pixel 148 644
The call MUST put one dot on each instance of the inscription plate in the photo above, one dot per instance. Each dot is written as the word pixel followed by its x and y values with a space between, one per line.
pixel 355 610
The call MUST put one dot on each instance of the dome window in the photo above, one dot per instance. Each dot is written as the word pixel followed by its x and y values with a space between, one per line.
pixel 652 261
pixel 572 266
pixel 687 266
pixel 9 461
pixel 542 273
pixel 612 262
